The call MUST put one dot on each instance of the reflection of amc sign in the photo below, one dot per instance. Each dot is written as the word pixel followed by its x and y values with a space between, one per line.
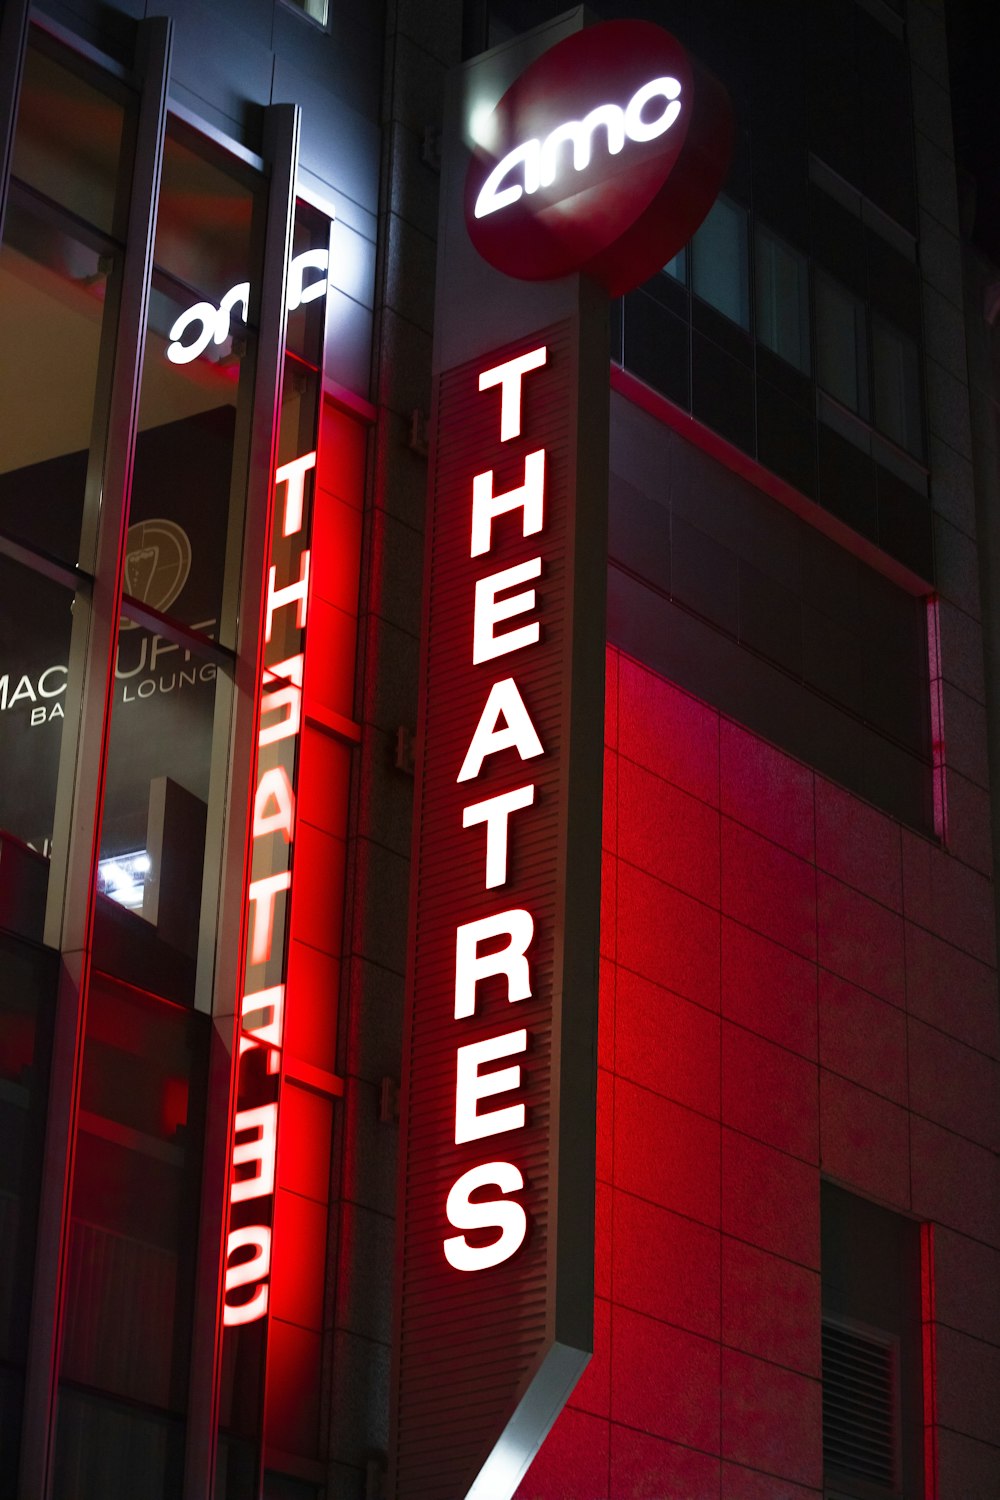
pixel 157 564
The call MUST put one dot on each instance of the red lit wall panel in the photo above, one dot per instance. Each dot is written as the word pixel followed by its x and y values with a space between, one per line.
pixel 850 1041
pixel 649 1467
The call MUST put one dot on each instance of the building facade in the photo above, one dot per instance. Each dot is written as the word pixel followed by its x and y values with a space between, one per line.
pixel 218 274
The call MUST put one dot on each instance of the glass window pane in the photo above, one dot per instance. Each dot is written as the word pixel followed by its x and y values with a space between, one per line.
pixel 198 365
pixel 152 848
pixel 204 222
pixel 719 260
pixel 127 1327
pixel 782 277
pixel 102 1445
pixel 57 295
pixel 181 492
pixel 897 387
pixel 52 314
pixel 677 266
pixel 306 322
pixel 35 623
pixel 68 142
pixel 841 344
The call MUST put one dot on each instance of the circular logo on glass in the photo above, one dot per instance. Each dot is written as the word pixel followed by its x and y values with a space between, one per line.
pixel 157 564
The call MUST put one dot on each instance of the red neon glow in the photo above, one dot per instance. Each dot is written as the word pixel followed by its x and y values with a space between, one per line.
pixel 255 1128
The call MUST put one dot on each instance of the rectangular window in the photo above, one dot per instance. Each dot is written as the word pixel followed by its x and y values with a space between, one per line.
pixel 842 345
pixel 719 261
pixel 782 283
pixel 897 387
pixel 60 277
pixel 164 742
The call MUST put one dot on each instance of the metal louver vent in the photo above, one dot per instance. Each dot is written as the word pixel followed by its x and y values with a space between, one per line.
pixel 859 1405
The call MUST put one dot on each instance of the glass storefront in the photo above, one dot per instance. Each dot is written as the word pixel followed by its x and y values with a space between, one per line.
pixel 142 429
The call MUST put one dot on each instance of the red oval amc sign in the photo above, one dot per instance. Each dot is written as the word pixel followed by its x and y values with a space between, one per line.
pixel 603 157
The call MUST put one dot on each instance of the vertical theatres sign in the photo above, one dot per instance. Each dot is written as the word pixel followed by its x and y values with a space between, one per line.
pixel 501 1044
pixel 571 173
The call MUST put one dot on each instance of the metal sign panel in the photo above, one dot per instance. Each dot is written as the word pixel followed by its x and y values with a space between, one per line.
pixel 497 1275
pixel 494 1315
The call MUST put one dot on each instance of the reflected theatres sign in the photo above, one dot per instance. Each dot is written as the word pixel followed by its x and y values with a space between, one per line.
pixel 263 1006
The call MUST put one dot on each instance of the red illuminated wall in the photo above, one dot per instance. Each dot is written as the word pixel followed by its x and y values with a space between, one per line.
pixel 791 983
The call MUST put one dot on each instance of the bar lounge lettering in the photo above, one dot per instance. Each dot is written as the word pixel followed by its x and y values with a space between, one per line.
pixel 255 1128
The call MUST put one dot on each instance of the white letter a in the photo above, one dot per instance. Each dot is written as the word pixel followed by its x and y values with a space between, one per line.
pixel 519 733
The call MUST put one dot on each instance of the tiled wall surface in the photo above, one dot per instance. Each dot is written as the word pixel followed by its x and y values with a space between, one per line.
pixel 793 984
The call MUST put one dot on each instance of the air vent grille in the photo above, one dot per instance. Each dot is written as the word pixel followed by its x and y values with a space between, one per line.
pixel 859 1405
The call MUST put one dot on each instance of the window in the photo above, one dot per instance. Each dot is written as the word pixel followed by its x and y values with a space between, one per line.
pixel 719 261
pixel 164 737
pixel 782 284
pixel 60 276
pixel 872 1409
pixel 842 344
pixel 316 10
pixel 897 387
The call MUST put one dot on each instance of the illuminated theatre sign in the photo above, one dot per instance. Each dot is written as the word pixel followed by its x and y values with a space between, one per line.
pixel 601 157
